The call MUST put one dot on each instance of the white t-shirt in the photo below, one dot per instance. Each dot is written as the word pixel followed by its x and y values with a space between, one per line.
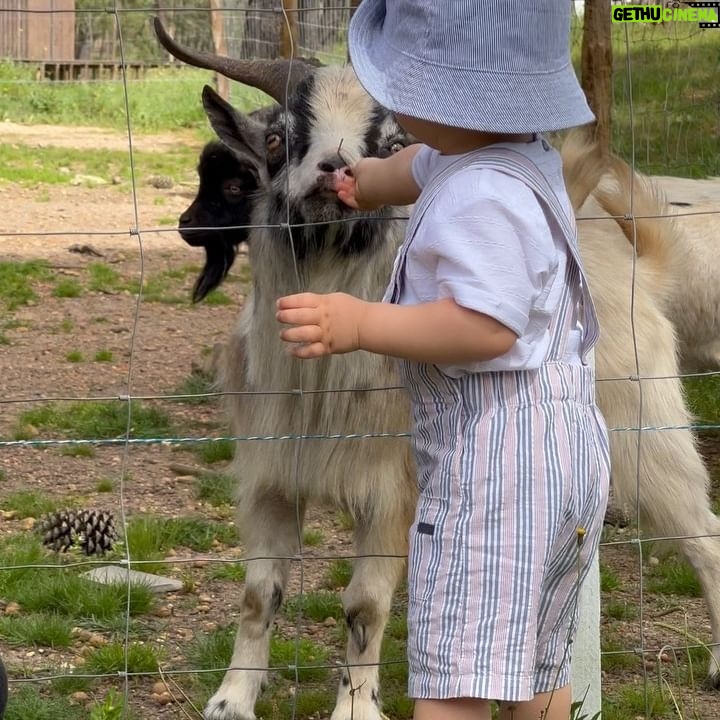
pixel 485 242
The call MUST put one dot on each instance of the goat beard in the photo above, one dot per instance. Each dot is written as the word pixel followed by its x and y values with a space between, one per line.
pixel 218 261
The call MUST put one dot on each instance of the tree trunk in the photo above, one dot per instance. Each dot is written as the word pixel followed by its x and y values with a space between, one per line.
pixel 596 73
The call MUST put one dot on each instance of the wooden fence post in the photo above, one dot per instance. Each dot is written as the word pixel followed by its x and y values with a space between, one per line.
pixel 222 84
pixel 596 70
pixel 289 43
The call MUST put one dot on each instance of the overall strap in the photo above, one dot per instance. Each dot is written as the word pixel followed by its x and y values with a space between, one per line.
pixel 427 195
pixel 517 165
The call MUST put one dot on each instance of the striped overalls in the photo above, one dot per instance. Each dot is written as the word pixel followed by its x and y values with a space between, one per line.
pixel 513 472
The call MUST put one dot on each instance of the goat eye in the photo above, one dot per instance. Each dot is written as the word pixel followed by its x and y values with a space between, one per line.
pixel 234 189
pixel 396 147
pixel 273 141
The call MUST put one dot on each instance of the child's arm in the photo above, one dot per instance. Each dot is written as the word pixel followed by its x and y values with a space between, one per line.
pixel 374 182
pixel 440 332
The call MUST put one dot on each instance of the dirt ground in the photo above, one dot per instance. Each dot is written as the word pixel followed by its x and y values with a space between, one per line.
pixel 154 348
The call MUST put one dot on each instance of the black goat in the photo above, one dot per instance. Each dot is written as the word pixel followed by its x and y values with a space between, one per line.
pixel 217 218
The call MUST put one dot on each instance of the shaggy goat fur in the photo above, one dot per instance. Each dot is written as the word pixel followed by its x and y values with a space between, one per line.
pixel 692 293
pixel 372 478
pixel 659 472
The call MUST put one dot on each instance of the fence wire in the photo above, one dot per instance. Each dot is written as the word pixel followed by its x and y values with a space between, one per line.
pixel 676 133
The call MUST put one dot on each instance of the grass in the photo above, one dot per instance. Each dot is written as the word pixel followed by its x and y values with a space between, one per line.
pixel 159 101
pixel 100 420
pixel 111 659
pixel 703 395
pixel 29 166
pixel 316 606
pixel 44 629
pixel 103 277
pixel 103 356
pixel 62 592
pixel 636 701
pixel 28 503
pixel 671 127
pixel 299 659
pixel 17 278
pixel 74 356
pixel 216 489
pixel 338 574
pixel 609 579
pixel 29 703
pixel 105 486
pixel 196 387
pixel 149 538
pixel 672 576
pixel 215 451
pixel 67 288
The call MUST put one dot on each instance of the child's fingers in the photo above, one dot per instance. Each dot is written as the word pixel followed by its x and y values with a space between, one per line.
pixel 302 334
pixel 310 351
pixel 348 197
pixel 298 316
pixel 298 300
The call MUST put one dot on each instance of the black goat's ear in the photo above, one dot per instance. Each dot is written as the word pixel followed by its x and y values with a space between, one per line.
pixel 239 132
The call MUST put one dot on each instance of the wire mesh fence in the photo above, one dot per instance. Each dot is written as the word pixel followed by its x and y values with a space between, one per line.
pixel 112 435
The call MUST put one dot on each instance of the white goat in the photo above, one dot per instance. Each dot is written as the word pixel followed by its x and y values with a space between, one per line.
pixel 305 239
pixel 693 302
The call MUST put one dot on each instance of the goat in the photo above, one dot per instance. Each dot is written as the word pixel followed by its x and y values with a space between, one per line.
pixel 218 216
pixel 693 301
pixel 371 478
pixel 305 239
pixel 660 472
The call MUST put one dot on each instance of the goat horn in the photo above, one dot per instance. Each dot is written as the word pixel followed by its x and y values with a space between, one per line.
pixel 270 76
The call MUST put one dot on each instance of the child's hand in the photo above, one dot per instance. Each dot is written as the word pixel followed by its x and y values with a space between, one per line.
pixel 354 185
pixel 345 186
pixel 322 324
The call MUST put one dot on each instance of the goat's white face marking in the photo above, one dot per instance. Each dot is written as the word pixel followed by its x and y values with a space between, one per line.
pixel 343 112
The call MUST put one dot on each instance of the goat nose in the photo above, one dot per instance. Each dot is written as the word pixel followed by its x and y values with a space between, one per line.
pixel 330 165
pixel 184 219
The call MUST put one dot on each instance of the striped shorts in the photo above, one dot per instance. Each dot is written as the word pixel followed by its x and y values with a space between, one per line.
pixel 509 517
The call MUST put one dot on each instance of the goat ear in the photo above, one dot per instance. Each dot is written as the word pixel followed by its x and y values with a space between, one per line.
pixel 239 132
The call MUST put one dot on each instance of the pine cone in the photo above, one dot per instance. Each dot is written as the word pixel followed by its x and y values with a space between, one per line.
pixel 90 530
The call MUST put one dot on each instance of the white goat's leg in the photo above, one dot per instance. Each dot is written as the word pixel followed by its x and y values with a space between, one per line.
pixel 366 602
pixel 674 503
pixel 269 526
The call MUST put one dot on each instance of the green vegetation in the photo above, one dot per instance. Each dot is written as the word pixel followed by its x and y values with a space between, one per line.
pixel 158 101
pixel 16 280
pixel 99 420
pixel 672 576
pixel 28 503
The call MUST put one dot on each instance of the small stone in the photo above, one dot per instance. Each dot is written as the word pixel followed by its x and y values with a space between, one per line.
pixel 79 697
pixel 330 622
pixel 159 688
pixel 652 560
pixel 28 523
pixel 12 608
pixel 205 599
pixel 162 698
pixel 163 611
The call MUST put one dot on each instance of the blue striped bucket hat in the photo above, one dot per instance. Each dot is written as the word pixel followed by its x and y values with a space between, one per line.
pixel 491 65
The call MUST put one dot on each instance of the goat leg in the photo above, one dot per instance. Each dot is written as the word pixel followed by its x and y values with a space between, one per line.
pixel 269 527
pixel 367 601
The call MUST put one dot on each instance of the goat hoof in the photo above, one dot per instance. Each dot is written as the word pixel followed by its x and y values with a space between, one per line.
pixel 220 708
pixel 712 681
